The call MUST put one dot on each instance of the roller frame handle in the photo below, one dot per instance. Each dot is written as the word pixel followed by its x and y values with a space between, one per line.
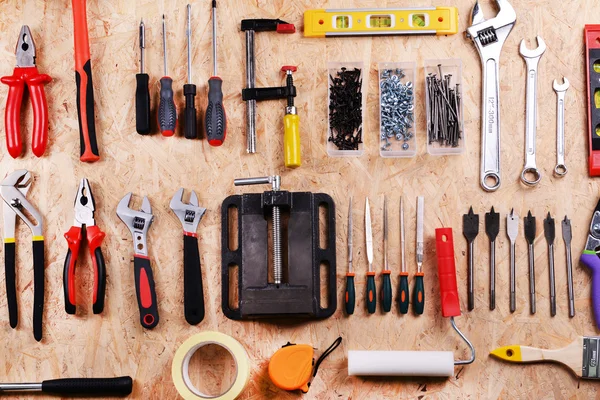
pixel 444 244
pixel 85 88
pixel 350 294
pixel 145 291
pixel 193 293
pixel 371 296
pixel 592 261
pixel 216 119
pixel 142 104
pixel 403 294
pixel 121 386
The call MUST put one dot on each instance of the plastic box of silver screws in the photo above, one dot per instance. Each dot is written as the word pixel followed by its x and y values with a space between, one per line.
pixel 397 109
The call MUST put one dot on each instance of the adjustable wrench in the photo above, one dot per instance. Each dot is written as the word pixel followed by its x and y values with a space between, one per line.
pixel 560 169
pixel 489 37
pixel 532 58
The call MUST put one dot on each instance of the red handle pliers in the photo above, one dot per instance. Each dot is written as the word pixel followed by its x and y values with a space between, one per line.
pixel 26 73
pixel 84 217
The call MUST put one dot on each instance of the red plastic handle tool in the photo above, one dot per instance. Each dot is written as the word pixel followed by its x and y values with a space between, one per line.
pixel 145 291
pixel 73 237
pixel 85 88
pixel 95 237
pixel 592 55
pixel 16 86
pixel 444 246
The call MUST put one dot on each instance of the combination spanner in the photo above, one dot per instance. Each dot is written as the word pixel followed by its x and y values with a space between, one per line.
pixel 560 169
pixel 532 59
pixel 489 37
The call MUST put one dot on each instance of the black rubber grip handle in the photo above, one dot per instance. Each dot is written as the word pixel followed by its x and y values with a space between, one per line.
pixel 98 306
pixel 87 133
pixel 371 294
pixel 38 288
pixel 350 295
pixel 121 386
pixel 386 292
pixel 145 291
pixel 190 129
pixel 11 284
pixel 193 293
pixel 70 308
pixel 419 295
pixel 167 113
pixel 403 296
pixel 216 120
pixel 142 104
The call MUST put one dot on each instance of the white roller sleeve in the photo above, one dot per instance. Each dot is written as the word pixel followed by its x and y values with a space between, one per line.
pixel 401 363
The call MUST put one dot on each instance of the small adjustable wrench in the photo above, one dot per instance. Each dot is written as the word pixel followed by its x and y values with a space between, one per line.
pixel 532 58
pixel 489 37
pixel 193 294
pixel 138 223
pixel 561 169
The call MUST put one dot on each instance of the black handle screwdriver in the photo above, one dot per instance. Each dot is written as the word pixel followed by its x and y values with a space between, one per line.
pixel 167 113
pixel 189 90
pixel 216 120
pixel 142 93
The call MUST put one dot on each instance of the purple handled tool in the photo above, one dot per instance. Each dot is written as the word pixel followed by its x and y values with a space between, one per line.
pixel 591 259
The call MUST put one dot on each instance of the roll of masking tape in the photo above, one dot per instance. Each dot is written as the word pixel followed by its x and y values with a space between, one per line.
pixel 183 355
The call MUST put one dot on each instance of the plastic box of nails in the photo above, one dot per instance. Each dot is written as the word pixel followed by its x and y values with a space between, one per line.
pixel 397 109
pixel 347 97
pixel 444 108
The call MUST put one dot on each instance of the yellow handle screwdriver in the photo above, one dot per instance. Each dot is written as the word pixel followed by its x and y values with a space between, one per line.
pixel 291 123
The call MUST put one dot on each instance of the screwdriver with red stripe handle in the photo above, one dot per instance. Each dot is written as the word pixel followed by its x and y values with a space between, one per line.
pixel 167 112
pixel 215 120
pixel 85 89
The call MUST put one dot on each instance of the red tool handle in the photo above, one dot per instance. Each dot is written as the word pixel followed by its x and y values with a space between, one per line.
pixel 444 245
pixel 85 88
pixel 73 237
pixel 146 294
pixel 16 86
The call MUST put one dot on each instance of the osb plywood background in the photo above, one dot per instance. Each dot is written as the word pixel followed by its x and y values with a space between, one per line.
pixel 115 344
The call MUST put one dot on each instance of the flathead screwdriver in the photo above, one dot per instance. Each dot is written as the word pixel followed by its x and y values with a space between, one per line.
pixel 419 292
pixel 215 120
pixel 386 291
pixel 350 297
pixel 403 298
pixel 189 89
pixel 142 93
pixel 167 113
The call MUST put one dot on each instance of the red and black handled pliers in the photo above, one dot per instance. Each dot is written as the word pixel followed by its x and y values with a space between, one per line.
pixel 84 217
pixel 26 73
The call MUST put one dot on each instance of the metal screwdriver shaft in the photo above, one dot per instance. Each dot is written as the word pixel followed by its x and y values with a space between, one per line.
pixel 167 113
pixel 142 92
pixel 189 89
pixel 215 120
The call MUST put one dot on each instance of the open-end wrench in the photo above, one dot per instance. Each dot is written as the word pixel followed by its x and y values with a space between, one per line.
pixel 532 58
pixel 560 169
pixel 489 37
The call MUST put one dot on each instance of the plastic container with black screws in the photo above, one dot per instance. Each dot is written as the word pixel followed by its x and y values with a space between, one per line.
pixel 346 82
pixel 444 107
pixel 397 109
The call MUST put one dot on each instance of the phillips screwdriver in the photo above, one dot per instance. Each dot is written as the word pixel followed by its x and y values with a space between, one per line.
pixel 167 113
pixel 216 120
pixel 512 230
pixel 567 236
pixel 142 93
pixel 492 228
pixel 404 296
pixel 470 232
pixel 419 292
pixel 529 228
pixel 350 297
pixel 189 89
pixel 371 290
pixel 386 293
pixel 550 234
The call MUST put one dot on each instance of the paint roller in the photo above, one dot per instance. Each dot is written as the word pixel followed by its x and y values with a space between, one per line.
pixel 421 363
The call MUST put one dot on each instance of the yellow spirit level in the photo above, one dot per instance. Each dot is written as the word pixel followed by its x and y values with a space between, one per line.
pixel 385 21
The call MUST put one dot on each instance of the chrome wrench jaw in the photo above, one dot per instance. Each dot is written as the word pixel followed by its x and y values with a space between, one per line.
pixel 138 222
pixel 189 214
pixel 14 189
pixel 488 37
pixel 530 175
pixel 560 169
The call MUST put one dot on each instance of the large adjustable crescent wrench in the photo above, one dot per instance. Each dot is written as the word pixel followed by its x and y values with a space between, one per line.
pixel 531 176
pixel 489 37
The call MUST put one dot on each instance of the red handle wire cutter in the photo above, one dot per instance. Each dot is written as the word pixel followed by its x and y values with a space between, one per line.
pixel 84 216
pixel 26 73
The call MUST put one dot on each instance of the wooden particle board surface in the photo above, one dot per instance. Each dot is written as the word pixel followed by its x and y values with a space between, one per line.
pixel 115 344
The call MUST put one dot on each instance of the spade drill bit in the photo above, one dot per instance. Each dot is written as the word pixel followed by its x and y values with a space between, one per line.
pixel 492 228
pixel 529 227
pixel 470 231
pixel 512 230
pixel 566 234
pixel 550 234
